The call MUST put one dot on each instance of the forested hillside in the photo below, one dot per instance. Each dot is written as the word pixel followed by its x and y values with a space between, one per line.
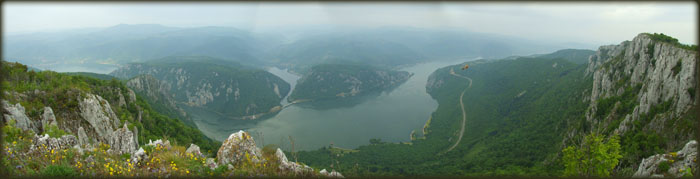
pixel 229 88
pixel 543 116
pixel 64 94
pixel 334 81
pixel 514 123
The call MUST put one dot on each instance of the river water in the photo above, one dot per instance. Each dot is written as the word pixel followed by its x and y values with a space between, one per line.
pixel 389 116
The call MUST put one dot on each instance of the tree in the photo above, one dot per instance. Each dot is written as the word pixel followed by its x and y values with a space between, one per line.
pixel 593 157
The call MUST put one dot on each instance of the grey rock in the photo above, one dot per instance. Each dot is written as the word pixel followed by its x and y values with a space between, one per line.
pixel 121 101
pixel 194 149
pixel 98 113
pixel 139 156
pixel 17 113
pixel 122 141
pixel 287 166
pixel 132 95
pixel 159 143
pixel 83 139
pixel 47 143
pixel 683 160
pixel 136 135
pixel 48 118
pixel 211 163
pixel 234 148
pixel 230 167
pixel 335 174
pixel 654 70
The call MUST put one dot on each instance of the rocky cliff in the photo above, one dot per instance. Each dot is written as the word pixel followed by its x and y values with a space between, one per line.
pixel 643 90
pixel 222 86
pixel 159 97
pixel 673 164
pixel 643 80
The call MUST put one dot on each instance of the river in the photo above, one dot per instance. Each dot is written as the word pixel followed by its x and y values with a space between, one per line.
pixel 389 116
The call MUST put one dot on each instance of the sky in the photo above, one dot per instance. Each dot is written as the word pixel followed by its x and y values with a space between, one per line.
pixel 583 22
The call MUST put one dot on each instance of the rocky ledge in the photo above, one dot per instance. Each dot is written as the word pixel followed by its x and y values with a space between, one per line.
pixel 674 164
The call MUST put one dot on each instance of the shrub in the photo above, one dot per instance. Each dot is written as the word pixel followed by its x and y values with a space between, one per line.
pixel 58 171
pixel 219 171
pixel 691 91
pixel 54 131
pixel 269 150
pixel 677 69
pixel 10 131
pixel 594 157
pixel 663 167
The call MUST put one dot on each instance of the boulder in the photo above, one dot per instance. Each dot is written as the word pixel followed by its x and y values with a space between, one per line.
pixel 291 167
pixel 678 162
pixel 159 142
pixel 122 141
pixel 138 156
pixel 236 147
pixel 83 139
pixel 333 174
pixel 17 113
pixel 194 149
pixel 211 163
pixel 48 118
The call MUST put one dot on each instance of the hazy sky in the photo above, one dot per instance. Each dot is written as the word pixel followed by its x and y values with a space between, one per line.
pixel 590 22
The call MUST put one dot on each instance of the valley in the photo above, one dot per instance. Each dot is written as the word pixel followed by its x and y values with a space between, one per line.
pixel 405 108
pixel 334 90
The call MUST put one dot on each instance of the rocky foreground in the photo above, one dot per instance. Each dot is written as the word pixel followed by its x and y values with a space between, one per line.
pixel 29 154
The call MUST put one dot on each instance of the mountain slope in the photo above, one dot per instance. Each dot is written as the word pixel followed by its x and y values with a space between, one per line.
pixel 521 113
pixel 95 107
pixel 226 87
pixel 158 96
pixel 644 91
pixel 578 56
pixel 132 43
pixel 333 81
pixel 513 109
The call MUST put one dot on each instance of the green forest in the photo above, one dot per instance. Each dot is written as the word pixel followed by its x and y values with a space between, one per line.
pixel 519 112
pixel 327 81
pixel 202 73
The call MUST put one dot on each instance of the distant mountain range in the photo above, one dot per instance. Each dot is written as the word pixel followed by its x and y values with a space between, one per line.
pixel 121 44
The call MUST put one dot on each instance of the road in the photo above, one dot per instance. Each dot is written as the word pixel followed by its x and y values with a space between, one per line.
pixel 464 114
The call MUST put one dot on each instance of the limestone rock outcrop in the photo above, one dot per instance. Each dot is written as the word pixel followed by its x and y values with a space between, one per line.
pixel 236 147
pixel 677 163
pixel 287 166
pixel 665 72
pixel 98 113
pixel 48 118
pixel 194 149
pixel 17 113
pixel 48 143
pixel 83 139
pixel 122 141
